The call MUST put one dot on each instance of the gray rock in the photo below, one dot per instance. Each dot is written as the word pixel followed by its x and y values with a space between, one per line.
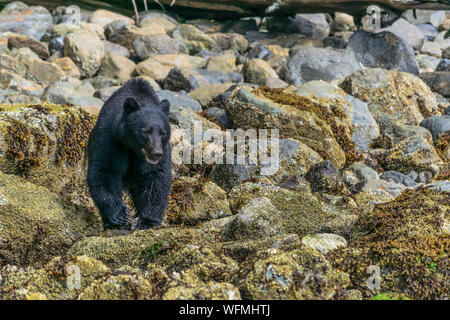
pixel 413 153
pixel 312 25
pixel 102 82
pixel 65 93
pixel 259 52
pixel 179 99
pixel 429 31
pixel 437 125
pixel 56 44
pixel 324 242
pixel 146 45
pixel 437 81
pixel 431 48
pixel 34 21
pixel 15 97
pixel 435 18
pixel 383 50
pixel 257 220
pixel 365 127
pixel 190 79
pixel 104 93
pixel 443 42
pixel 444 65
pixel 246 96
pixel 86 50
pixel 441 185
pixel 310 63
pixel 398 178
pixel 116 48
pixel 427 63
pixel 219 115
pixel 408 32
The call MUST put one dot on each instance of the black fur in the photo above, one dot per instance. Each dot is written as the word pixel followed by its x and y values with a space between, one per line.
pixel 131 133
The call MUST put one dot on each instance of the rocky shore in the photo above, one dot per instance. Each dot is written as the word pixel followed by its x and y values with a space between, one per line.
pixel 360 205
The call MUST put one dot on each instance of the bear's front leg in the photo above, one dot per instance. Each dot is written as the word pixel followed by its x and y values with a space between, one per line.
pixel 106 191
pixel 150 196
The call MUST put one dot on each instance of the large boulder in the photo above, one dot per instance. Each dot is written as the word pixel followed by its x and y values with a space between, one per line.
pixel 23 41
pixel 297 211
pixel 36 224
pixel 193 200
pixel 392 97
pixel 192 40
pixel 365 127
pixel 437 81
pixel 105 17
pixel 401 246
pixel 383 50
pixel 32 21
pixel 310 63
pixel 117 67
pixel 408 32
pixel 45 144
pixel 86 50
pixel 321 124
pixel 299 274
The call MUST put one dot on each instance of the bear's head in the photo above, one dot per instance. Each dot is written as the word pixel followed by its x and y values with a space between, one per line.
pixel 146 128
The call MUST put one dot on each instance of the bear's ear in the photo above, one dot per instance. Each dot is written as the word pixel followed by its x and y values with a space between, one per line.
pixel 165 106
pixel 130 105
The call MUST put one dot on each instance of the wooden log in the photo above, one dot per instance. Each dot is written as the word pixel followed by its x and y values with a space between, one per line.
pixel 240 8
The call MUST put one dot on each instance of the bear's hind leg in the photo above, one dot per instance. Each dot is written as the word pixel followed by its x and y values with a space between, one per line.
pixel 106 191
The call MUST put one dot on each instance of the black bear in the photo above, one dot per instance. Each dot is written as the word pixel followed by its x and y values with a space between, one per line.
pixel 129 149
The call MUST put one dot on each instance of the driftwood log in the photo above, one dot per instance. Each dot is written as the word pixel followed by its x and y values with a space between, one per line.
pixel 241 8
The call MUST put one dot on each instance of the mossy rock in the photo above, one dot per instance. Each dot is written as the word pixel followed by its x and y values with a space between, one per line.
pixel 36 224
pixel 299 274
pixel 408 239
pixel 300 212
pixel 136 248
pixel 295 159
pixel 194 199
pixel 258 219
pixel 393 97
pixel 192 290
pixel 200 261
pixel 413 153
pixel 74 277
pixel 242 250
pixel 321 124
pixel 45 144
pixel 118 287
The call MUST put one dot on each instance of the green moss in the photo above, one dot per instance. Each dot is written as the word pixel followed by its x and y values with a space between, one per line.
pixel 389 296
pixel 150 254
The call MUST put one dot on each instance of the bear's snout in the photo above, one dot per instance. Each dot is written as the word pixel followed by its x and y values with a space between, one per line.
pixel 153 151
